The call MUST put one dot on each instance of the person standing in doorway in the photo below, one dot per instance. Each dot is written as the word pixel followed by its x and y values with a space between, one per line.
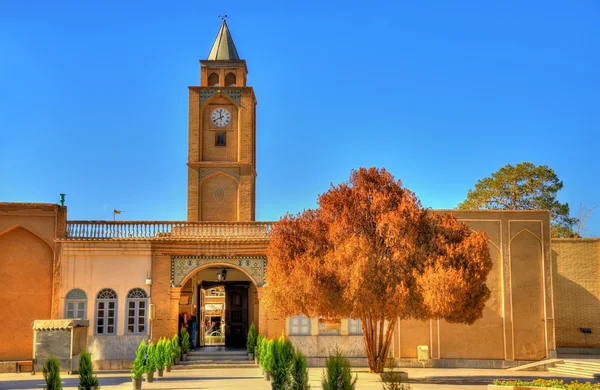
pixel 193 327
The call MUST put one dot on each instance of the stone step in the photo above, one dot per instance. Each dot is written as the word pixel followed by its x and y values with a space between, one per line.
pixel 212 365
pixel 218 357
pixel 566 371
pixel 220 361
pixel 218 352
pixel 583 370
pixel 583 363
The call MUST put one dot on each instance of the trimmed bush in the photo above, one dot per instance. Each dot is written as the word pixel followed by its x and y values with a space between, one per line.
pixel 283 354
pixel 160 355
pixel 257 350
pixel 150 365
pixel 337 374
pixel 87 379
pixel 267 355
pixel 251 340
pixel 175 347
pixel 185 341
pixel 299 372
pixel 51 372
pixel 137 370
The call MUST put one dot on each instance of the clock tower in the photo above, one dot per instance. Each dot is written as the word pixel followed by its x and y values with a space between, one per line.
pixel 222 137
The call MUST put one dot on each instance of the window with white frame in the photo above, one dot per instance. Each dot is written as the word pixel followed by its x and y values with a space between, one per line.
pixel 75 304
pixel 106 312
pixel 354 327
pixel 137 305
pixel 300 326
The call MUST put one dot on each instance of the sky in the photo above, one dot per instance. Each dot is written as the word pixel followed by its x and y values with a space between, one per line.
pixel 93 98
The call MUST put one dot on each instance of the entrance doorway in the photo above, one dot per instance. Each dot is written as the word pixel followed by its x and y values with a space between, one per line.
pixel 223 313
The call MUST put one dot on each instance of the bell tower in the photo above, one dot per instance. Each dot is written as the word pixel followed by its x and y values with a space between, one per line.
pixel 222 137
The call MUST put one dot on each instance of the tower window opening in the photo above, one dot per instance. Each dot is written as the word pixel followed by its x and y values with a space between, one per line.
pixel 213 80
pixel 230 80
pixel 220 139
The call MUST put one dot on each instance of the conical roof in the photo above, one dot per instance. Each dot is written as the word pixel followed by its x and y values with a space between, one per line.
pixel 223 48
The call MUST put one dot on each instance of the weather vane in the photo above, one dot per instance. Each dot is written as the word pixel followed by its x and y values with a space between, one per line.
pixel 224 16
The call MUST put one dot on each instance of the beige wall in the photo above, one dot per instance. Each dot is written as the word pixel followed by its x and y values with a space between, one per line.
pixel 517 320
pixel 92 266
pixel 576 275
pixel 27 269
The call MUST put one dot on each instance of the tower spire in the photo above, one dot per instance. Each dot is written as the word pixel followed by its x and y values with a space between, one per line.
pixel 223 48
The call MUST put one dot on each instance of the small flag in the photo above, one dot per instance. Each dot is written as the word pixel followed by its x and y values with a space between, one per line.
pixel 115 211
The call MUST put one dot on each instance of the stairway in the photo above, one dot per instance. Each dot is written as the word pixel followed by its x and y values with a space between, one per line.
pixel 578 368
pixel 216 357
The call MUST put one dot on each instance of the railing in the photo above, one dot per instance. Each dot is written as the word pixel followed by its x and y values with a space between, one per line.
pixel 164 230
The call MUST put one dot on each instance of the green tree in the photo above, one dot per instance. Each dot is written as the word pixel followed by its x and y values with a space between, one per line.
pixel 137 369
pixel 251 340
pixel 299 372
pixel 160 356
pixel 150 365
pixel 87 379
pixel 51 372
pixel 337 374
pixel 282 363
pixel 524 186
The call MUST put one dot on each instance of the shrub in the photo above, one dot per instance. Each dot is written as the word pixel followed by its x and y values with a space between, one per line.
pixel 175 346
pixel 52 374
pixel 150 365
pixel 251 340
pixel 137 370
pixel 87 379
pixel 257 350
pixel 392 378
pixel 554 383
pixel 337 374
pixel 185 341
pixel 160 355
pixel 283 354
pixel 267 355
pixel 299 372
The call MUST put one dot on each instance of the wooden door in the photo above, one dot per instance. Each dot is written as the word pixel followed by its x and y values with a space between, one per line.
pixel 236 317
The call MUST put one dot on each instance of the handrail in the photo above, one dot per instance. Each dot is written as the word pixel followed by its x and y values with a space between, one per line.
pixel 164 230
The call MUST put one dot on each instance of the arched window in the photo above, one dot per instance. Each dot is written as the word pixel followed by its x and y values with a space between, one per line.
pixel 213 80
pixel 106 312
pixel 137 305
pixel 230 80
pixel 75 304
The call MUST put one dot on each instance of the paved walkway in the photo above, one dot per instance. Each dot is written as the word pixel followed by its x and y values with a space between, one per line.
pixel 250 379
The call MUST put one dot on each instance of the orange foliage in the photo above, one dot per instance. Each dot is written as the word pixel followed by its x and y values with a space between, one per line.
pixel 370 251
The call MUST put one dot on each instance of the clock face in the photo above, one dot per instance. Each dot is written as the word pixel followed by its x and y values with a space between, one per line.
pixel 220 117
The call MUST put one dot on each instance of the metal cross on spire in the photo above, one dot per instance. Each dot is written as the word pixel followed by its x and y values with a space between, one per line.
pixel 224 16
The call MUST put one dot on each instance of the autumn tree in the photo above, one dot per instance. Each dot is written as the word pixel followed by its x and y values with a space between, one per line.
pixel 524 186
pixel 370 251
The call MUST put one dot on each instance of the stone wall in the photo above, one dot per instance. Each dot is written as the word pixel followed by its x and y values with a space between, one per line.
pixel 113 352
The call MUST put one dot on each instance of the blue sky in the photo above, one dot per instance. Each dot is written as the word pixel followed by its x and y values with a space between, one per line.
pixel 93 98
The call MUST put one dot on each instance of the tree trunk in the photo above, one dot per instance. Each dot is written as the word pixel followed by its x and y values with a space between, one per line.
pixel 378 336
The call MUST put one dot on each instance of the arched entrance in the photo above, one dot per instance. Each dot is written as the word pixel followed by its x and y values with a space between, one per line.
pixel 221 293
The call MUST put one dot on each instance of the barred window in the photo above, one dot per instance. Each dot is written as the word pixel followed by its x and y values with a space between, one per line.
pixel 354 327
pixel 75 304
pixel 300 326
pixel 106 312
pixel 137 311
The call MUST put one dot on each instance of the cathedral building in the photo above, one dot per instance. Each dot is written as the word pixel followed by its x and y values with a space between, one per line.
pixel 135 280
